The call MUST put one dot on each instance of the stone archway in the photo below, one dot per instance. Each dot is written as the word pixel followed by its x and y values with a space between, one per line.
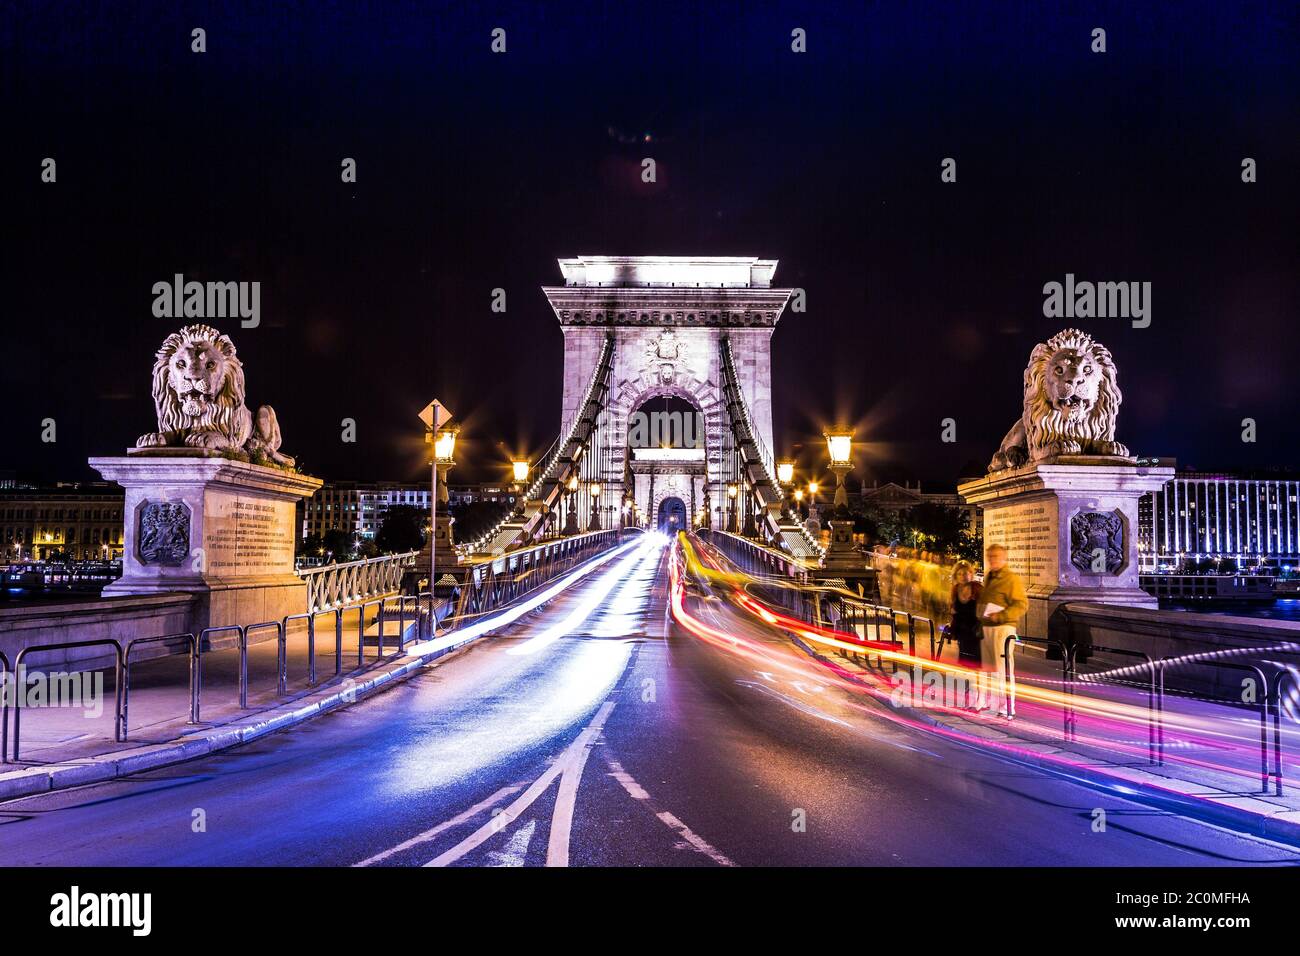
pixel 672 515
pixel 666 318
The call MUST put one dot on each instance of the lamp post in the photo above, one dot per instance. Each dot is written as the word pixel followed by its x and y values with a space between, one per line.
pixel 750 529
pixel 571 519
pixel 595 506
pixel 812 503
pixel 841 555
pixel 520 469
pixel 732 491
pixel 440 436
pixel 839 443
pixel 798 502
pixel 444 457
pixel 785 475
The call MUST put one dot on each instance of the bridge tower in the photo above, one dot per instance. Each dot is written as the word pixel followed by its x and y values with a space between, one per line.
pixel 667 317
pixel 687 339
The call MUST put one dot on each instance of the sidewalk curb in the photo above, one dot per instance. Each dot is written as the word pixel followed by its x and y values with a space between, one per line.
pixel 1131 783
pixel 31 781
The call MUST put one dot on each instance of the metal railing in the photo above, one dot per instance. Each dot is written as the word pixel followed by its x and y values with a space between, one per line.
pixel 4 707
pixel 196 674
pixel 20 677
pixel 807 603
pixel 493 584
pixel 1269 703
pixel 548 486
pixel 421 610
pixel 753 557
pixel 338 585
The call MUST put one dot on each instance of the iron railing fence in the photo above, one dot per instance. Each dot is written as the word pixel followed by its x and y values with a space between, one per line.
pixel 339 585
pixel 1274 667
pixel 493 584
pixel 490 586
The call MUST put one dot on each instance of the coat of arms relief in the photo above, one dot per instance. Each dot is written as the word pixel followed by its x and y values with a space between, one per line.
pixel 664 354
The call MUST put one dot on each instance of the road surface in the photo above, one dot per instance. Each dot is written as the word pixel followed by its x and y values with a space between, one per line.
pixel 595 732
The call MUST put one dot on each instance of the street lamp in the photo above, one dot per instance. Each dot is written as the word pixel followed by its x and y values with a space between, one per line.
pixel 839 443
pixel 812 503
pixel 440 435
pixel 732 491
pixel 785 475
pixel 595 506
pixel 571 519
pixel 520 469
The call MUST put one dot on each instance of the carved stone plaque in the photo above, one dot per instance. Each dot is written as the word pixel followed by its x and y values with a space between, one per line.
pixel 1097 537
pixel 163 535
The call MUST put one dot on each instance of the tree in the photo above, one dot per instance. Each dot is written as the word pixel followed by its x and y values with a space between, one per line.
pixel 937 527
pixel 401 530
pixel 311 546
pixel 474 518
pixel 339 544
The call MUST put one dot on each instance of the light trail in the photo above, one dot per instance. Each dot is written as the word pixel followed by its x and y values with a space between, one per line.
pixel 1118 727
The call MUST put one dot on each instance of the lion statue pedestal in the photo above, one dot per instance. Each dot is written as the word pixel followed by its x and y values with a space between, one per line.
pixel 1070 529
pixel 210 500
pixel 1061 493
pixel 220 529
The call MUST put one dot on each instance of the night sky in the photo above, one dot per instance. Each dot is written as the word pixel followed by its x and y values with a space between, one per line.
pixel 478 170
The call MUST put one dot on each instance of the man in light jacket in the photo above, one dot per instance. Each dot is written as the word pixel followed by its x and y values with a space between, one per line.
pixel 1003 604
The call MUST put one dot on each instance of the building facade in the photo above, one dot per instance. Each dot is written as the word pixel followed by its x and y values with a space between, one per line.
pixel 1253 520
pixel 76 521
pixel 891 496
pixel 360 507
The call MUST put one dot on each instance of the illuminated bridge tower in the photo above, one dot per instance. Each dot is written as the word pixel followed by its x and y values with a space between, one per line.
pixel 667 398
pixel 668 424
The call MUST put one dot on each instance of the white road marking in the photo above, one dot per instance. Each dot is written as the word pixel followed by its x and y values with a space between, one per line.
pixel 515 852
pixel 693 839
pixel 446 825
pixel 557 850
pixel 634 789
pixel 529 796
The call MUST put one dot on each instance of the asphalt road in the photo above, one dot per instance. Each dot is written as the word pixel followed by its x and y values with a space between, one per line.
pixel 594 732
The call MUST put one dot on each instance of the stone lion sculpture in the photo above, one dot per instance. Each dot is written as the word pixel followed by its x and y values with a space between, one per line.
pixel 1072 400
pixel 198 393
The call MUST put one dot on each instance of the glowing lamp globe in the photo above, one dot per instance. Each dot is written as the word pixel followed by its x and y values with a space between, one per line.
pixel 840 445
pixel 444 445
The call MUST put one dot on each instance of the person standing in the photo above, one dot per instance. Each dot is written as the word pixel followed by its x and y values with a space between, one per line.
pixel 1004 603
pixel 965 628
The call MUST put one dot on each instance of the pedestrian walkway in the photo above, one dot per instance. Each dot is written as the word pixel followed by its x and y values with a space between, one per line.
pixel 1211 753
pixel 81 725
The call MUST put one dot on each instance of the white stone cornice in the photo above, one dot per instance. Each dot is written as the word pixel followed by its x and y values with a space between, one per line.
pixel 735 308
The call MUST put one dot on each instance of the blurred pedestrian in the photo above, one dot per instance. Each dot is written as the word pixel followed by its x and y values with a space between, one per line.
pixel 1004 603
pixel 965 627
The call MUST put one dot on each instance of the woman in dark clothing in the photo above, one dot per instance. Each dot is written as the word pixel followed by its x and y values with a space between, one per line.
pixel 966 629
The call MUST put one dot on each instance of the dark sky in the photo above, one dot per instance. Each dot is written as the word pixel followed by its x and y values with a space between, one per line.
pixel 478 170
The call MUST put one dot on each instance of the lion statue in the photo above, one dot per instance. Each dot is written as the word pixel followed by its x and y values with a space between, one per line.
pixel 198 392
pixel 1072 399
